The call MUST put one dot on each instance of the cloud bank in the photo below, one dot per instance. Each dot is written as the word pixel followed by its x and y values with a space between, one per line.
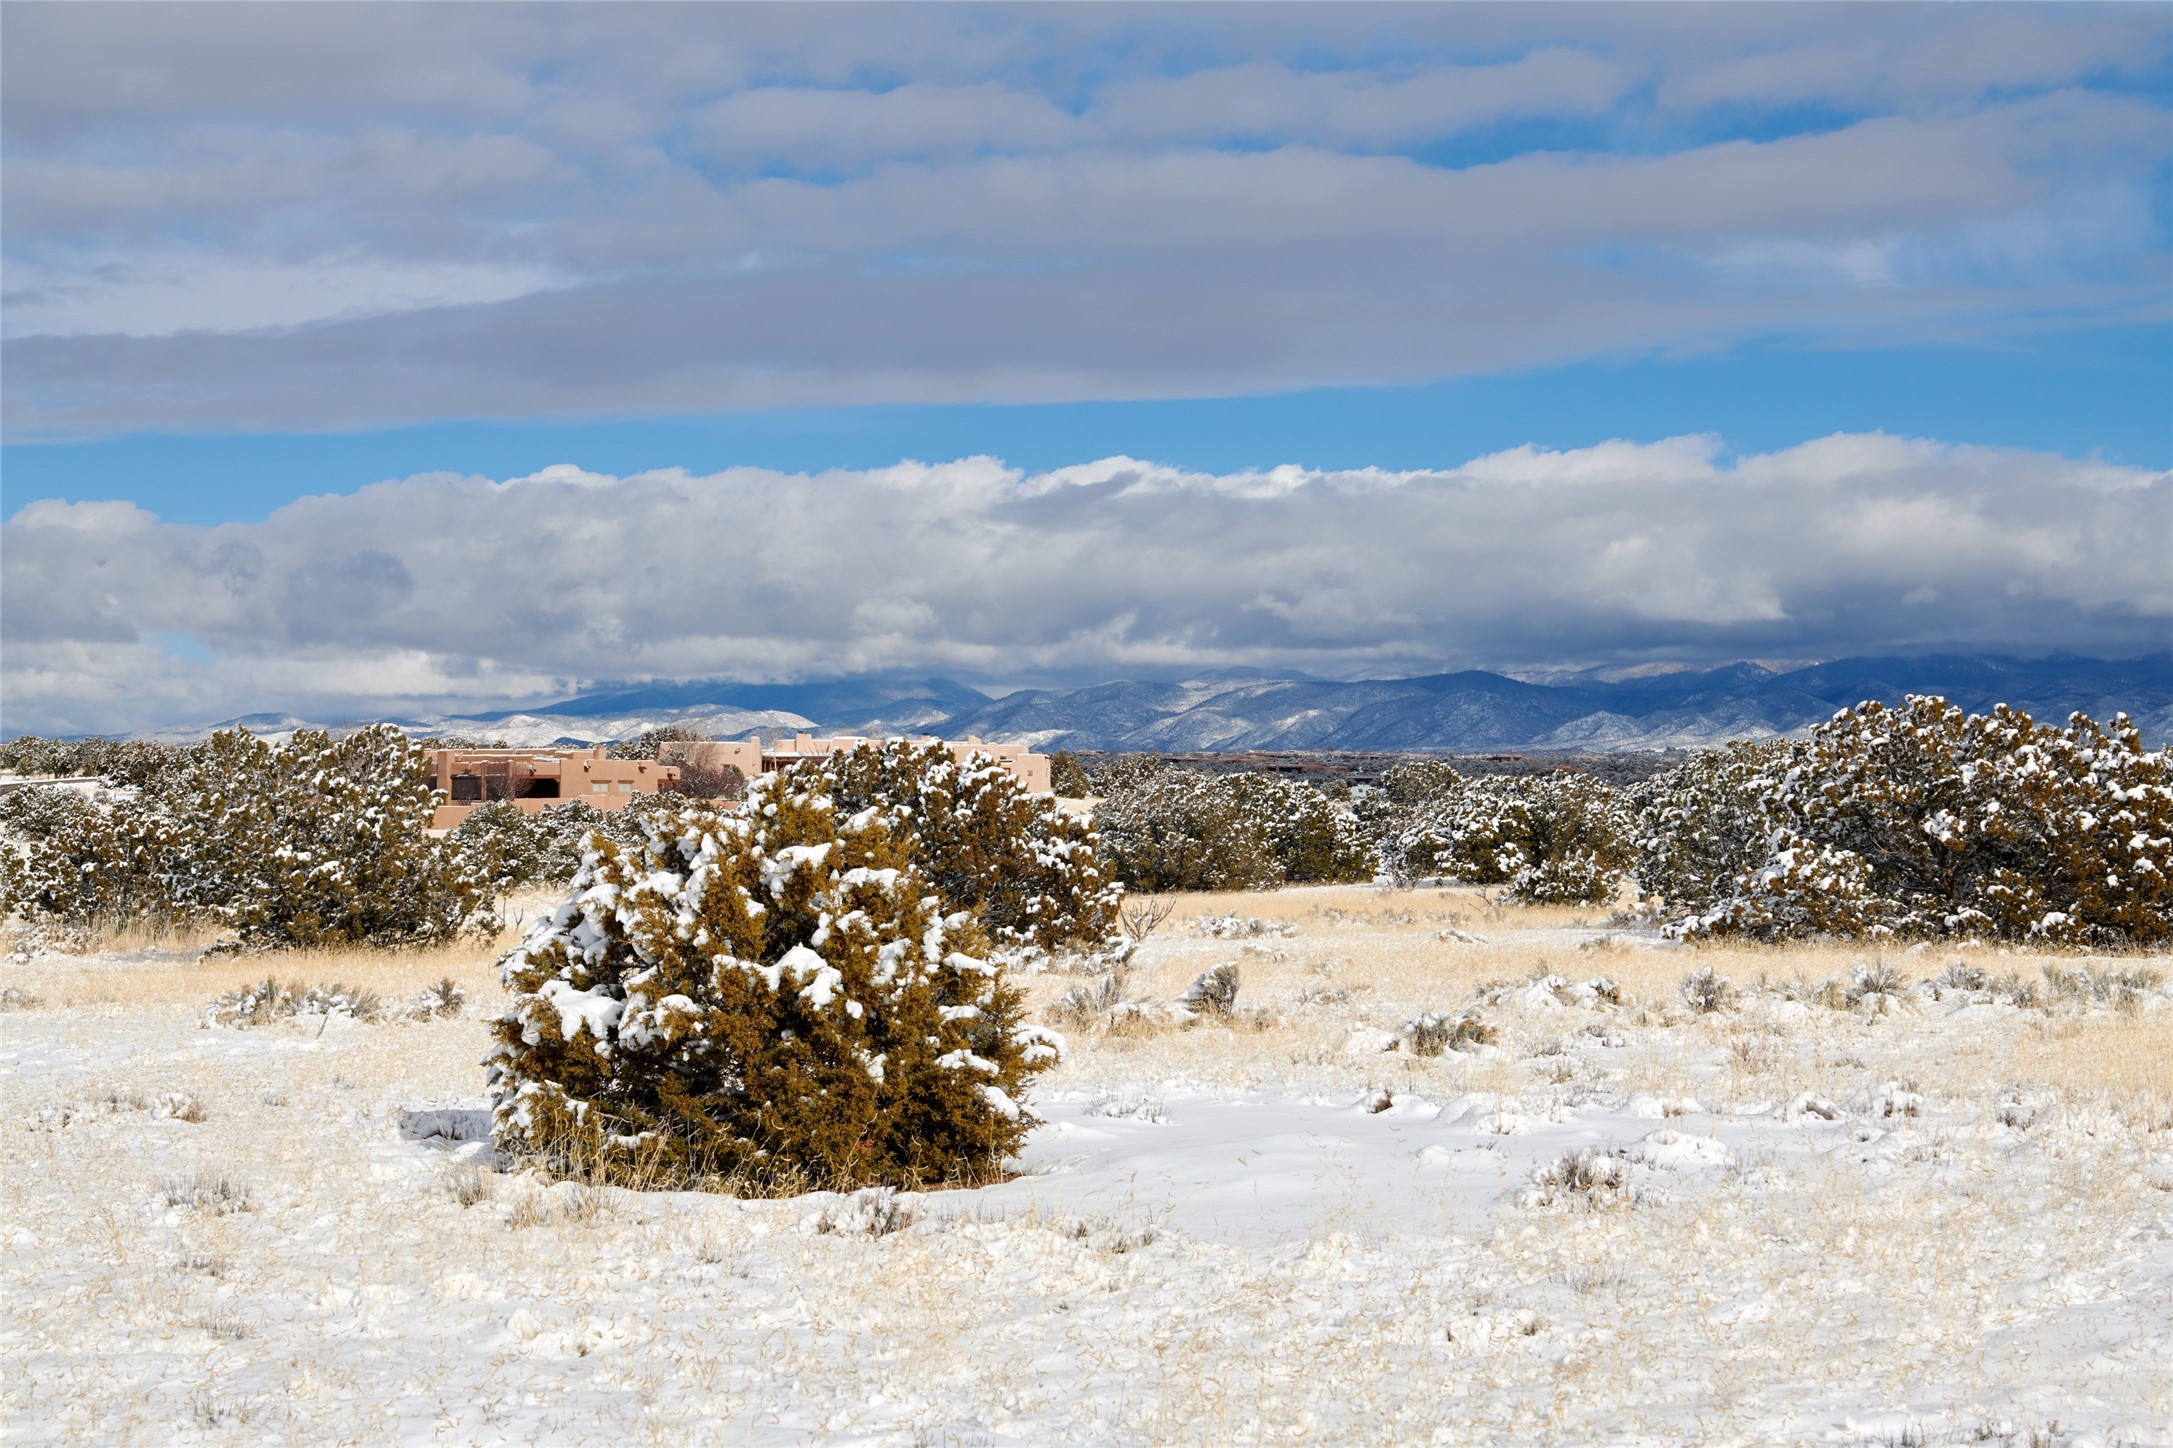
pixel 335 216
pixel 442 590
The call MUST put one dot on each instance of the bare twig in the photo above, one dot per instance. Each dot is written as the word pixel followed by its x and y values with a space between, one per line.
pixel 1142 915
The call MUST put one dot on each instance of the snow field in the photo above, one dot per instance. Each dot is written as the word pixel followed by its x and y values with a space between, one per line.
pixel 1618 1223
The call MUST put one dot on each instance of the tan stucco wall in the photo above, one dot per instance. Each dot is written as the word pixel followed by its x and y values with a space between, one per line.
pixel 744 755
pixel 587 775
pixel 752 758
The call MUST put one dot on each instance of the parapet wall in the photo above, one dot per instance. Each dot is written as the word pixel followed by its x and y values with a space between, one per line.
pixel 752 757
pixel 533 780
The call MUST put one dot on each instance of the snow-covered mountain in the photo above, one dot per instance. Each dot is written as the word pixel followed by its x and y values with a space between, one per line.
pixel 1466 712
pixel 278 728
pixel 1481 711
pixel 536 730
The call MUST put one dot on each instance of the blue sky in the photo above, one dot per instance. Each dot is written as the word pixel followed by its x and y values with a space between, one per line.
pixel 262 254
pixel 2100 392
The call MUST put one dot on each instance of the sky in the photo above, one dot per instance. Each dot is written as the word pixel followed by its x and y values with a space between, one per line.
pixel 391 359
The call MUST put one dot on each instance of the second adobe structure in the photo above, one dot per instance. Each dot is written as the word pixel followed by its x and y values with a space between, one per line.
pixel 752 757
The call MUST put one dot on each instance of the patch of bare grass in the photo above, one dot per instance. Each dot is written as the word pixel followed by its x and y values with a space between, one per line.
pixel 211 1193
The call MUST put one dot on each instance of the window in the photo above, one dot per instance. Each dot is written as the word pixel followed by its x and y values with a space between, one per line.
pixel 626 789
pixel 600 789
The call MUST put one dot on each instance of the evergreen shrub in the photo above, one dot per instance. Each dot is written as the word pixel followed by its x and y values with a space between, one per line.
pixel 1166 828
pixel 1704 825
pixel 1928 821
pixel 127 762
pixel 774 997
pixel 41 811
pixel 1068 777
pixel 1551 839
pixel 503 845
pixel 315 842
pixel 1029 873
pixel 649 741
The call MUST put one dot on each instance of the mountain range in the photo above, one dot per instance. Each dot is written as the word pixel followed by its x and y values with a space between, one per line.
pixel 1474 711
pixel 1463 712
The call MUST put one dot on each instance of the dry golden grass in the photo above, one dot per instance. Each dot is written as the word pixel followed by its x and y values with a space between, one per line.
pixel 1384 954
pixel 1360 956
pixel 1394 938
pixel 165 966
pixel 2125 1060
pixel 64 982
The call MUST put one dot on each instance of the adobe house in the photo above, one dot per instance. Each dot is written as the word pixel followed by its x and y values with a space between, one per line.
pixel 753 757
pixel 532 780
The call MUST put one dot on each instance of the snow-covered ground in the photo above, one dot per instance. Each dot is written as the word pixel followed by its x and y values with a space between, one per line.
pixel 1909 1220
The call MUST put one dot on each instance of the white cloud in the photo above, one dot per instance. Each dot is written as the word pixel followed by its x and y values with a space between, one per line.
pixel 224 217
pixel 1922 59
pixel 383 598
pixel 173 293
pixel 807 129
pixel 1267 100
pixel 1094 275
